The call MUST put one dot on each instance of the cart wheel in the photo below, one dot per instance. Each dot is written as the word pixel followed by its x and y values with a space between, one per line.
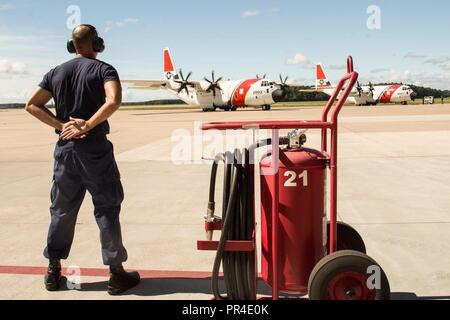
pixel 347 238
pixel 345 275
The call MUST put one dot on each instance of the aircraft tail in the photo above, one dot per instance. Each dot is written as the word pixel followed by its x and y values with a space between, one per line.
pixel 322 81
pixel 170 70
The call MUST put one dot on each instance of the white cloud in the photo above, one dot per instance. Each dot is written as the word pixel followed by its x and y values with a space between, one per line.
pixel 250 13
pixel 12 67
pixel 437 80
pixel 440 61
pixel 120 24
pixel 432 79
pixel 300 59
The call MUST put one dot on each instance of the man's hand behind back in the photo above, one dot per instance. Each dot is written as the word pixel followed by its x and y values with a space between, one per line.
pixel 74 129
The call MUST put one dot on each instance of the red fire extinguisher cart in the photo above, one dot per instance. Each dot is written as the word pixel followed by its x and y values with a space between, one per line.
pixel 302 251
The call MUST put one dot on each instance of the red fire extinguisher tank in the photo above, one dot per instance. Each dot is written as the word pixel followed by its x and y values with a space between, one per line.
pixel 302 217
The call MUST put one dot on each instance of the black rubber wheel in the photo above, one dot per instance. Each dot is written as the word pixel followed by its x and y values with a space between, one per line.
pixel 266 108
pixel 226 109
pixel 347 238
pixel 348 275
pixel 205 109
pixel 233 109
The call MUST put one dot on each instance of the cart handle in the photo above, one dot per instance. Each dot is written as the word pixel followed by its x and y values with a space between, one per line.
pixel 351 77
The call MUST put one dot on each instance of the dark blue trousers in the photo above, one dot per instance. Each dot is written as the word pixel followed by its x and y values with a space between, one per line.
pixel 82 165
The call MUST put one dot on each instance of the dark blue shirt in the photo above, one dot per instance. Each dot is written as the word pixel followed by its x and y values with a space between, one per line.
pixel 77 87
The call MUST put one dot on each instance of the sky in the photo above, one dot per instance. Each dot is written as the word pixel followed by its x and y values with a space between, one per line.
pixel 391 41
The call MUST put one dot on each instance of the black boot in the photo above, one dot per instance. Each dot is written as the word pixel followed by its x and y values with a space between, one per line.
pixel 53 276
pixel 121 281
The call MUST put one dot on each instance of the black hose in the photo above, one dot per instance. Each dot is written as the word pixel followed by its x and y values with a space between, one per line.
pixel 237 223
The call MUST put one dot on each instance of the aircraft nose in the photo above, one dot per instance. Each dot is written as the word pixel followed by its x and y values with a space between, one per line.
pixel 278 95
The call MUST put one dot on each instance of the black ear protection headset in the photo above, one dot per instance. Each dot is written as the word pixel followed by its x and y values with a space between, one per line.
pixel 98 44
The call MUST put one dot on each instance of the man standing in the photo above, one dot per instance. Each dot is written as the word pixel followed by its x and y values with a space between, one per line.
pixel 86 92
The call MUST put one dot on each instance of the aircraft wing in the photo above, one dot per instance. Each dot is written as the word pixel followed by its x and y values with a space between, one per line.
pixel 156 84
pixel 146 84
pixel 353 92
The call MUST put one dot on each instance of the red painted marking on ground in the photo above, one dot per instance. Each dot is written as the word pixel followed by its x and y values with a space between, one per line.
pixel 97 272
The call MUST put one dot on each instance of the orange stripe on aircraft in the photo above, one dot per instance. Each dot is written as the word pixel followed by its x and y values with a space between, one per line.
pixel 388 93
pixel 238 99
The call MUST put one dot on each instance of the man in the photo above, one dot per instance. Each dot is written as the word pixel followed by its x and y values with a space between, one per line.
pixel 86 92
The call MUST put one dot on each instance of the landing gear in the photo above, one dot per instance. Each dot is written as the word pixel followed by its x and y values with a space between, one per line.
pixel 209 109
pixel 266 107
pixel 228 108
pixel 348 275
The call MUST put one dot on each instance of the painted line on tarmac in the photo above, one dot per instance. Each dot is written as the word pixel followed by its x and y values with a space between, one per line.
pixel 98 272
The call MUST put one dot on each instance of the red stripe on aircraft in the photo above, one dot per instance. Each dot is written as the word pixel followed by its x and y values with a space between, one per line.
pixel 238 99
pixel 388 93
pixel 168 65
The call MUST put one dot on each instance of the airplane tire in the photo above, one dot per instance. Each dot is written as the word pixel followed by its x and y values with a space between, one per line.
pixel 266 108
pixel 226 109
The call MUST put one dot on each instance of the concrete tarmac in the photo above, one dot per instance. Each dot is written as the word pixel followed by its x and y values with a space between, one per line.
pixel 393 188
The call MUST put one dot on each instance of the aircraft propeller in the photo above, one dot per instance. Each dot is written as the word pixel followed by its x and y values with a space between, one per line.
pixel 213 84
pixel 371 88
pixel 184 82
pixel 280 94
pixel 359 88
